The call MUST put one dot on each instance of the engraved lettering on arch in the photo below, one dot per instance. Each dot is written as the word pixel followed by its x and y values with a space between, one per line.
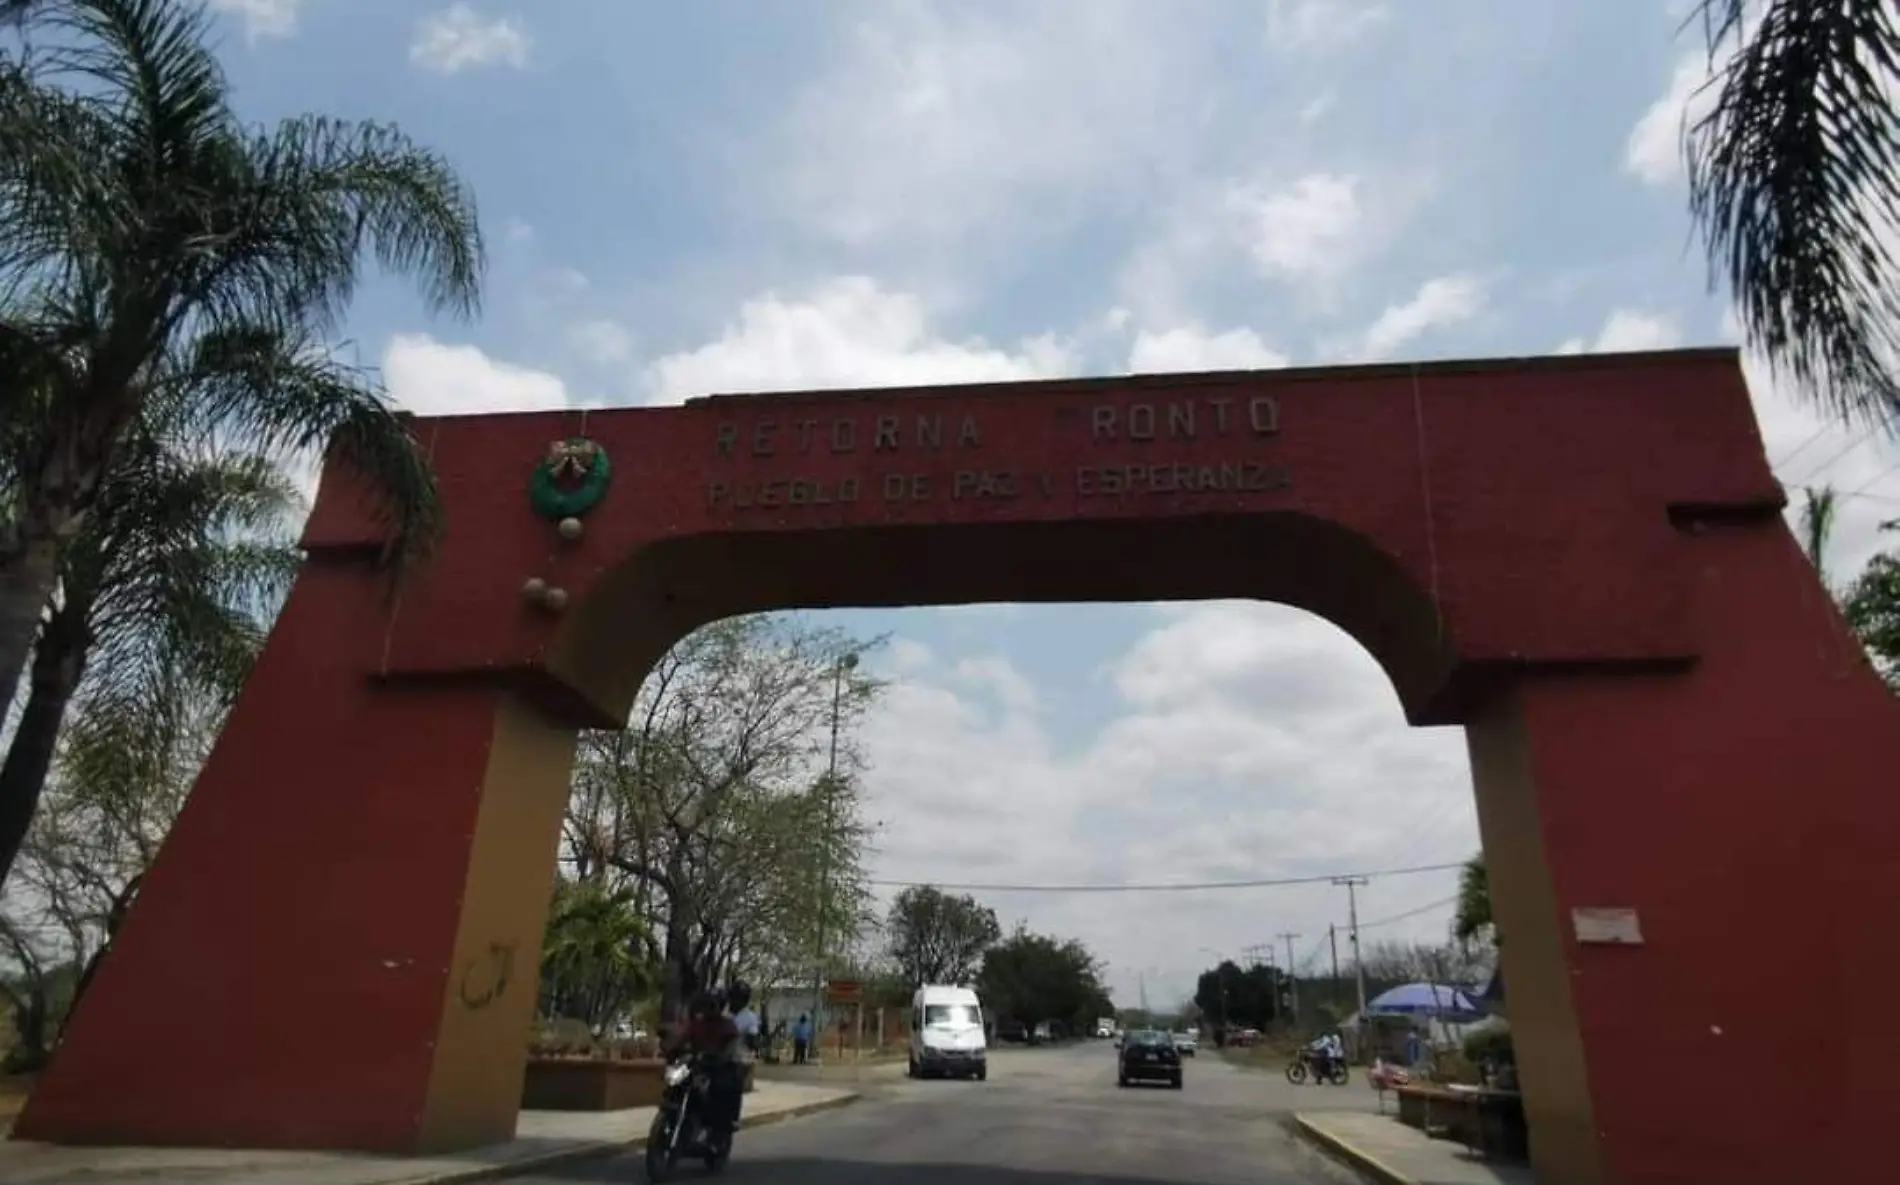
pixel 1206 417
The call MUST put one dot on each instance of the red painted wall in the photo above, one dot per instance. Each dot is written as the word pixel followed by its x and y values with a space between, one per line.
pixel 1546 483
pixel 279 982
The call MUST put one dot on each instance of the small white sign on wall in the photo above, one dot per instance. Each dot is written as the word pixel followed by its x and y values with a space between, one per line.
pixel 1607 927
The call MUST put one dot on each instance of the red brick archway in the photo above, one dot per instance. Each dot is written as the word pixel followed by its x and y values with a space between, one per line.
pixel 1581 561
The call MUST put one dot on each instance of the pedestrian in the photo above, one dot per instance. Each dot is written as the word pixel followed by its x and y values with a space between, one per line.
pixel 801 1039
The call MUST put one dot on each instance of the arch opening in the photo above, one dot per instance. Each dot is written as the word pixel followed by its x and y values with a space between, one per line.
pixel 657 595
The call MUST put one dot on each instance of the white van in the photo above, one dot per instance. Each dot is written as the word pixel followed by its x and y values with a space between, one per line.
pixel 946 1034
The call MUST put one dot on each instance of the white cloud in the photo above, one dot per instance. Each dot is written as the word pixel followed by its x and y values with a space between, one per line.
pixel 1653 153
pixel 1317 109
pixel 459 38
pixel 936 123
pixel 261 18
pixel 1302 230
pixel 1317 26
pixel 601 342
pixel 432 378
pixel 1246 741
pixel 1627 330
pixel 1309 231
pixel 1439 302
pixel 848 332
pixel 1189 348
pixel 1654 149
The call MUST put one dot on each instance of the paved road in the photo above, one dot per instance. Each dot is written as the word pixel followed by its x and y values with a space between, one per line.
pixel 1045 1117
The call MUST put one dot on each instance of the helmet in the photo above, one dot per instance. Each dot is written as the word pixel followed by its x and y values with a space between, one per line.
pixel 739 995
pixel 704 1003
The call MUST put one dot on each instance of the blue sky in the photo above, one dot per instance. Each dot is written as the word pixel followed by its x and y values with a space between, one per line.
pixel 733 195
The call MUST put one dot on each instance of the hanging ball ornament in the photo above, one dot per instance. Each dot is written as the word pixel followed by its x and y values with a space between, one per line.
pixel 570 528
pixel 536 589
pixel 555 600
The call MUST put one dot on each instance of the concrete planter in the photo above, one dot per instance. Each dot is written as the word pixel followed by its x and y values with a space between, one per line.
pixel 590 1084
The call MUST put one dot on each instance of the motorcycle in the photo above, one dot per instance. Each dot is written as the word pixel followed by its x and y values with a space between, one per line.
pixel 679 1129
pixel 1334 1072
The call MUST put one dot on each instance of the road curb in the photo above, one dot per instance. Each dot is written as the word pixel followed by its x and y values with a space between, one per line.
pixel 1351 1155
pixel 602 1149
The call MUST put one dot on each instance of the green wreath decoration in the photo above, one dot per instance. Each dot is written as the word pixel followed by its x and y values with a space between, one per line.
pixel 571 480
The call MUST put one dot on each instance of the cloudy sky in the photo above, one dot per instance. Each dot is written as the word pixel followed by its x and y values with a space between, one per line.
pixel 750 194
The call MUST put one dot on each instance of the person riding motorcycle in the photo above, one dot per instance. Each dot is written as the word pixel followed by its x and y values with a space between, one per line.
pixel 709 1035
pixel 1324 1052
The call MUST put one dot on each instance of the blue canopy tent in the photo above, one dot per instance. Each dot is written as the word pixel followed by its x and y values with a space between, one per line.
pixel 1438 1001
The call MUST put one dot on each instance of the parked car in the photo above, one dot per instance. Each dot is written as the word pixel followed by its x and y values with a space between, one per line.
pixel 1186 1043
pixel 1148 1056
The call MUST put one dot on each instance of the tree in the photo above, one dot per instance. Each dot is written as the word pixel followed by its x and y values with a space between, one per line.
pixel 937 938
pixel 1239 998
pixel 1033 978
pixel 183 554
pixel 1795 183
pixel 152 242
pixel 126 761
pixel 1389 964
pixel 1872 606
pixel 595 962
pixel 1819 509
pixel 1473 923
pixel 717 807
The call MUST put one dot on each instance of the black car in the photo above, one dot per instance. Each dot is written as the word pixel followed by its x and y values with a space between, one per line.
pixel 1148 1056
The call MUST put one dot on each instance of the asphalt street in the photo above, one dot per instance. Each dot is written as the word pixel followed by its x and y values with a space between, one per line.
pixel 1045 1117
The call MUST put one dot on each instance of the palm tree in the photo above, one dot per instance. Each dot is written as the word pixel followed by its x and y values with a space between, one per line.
pixel 1795 183
pixel 153 244
pixel 1473 920
pixel 180 562
pixel 1819 509
pixel 594 962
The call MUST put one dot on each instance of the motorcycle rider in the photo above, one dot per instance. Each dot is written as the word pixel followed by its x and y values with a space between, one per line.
pixel 1323 1052
pixel 709 1034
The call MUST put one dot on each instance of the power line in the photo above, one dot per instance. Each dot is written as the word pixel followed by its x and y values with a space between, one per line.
pixel 1823 430
pixel 1410 913
pixel 1824 466
pixel 1198 886
pixel 1870 482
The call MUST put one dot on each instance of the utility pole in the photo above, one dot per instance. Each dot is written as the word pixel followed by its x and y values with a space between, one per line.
pixel 1352 921
pixel 1332 940
pixel 1292 976
pixel 847 662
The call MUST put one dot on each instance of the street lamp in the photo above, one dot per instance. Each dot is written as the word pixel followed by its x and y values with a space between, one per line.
pixel 845 664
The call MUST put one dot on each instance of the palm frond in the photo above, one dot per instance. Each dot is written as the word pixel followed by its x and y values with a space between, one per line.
pixel 337 186
pixel 271 392
pixel 154 56
pixel 61 207
pixel 1795 183
pixel 1819 511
